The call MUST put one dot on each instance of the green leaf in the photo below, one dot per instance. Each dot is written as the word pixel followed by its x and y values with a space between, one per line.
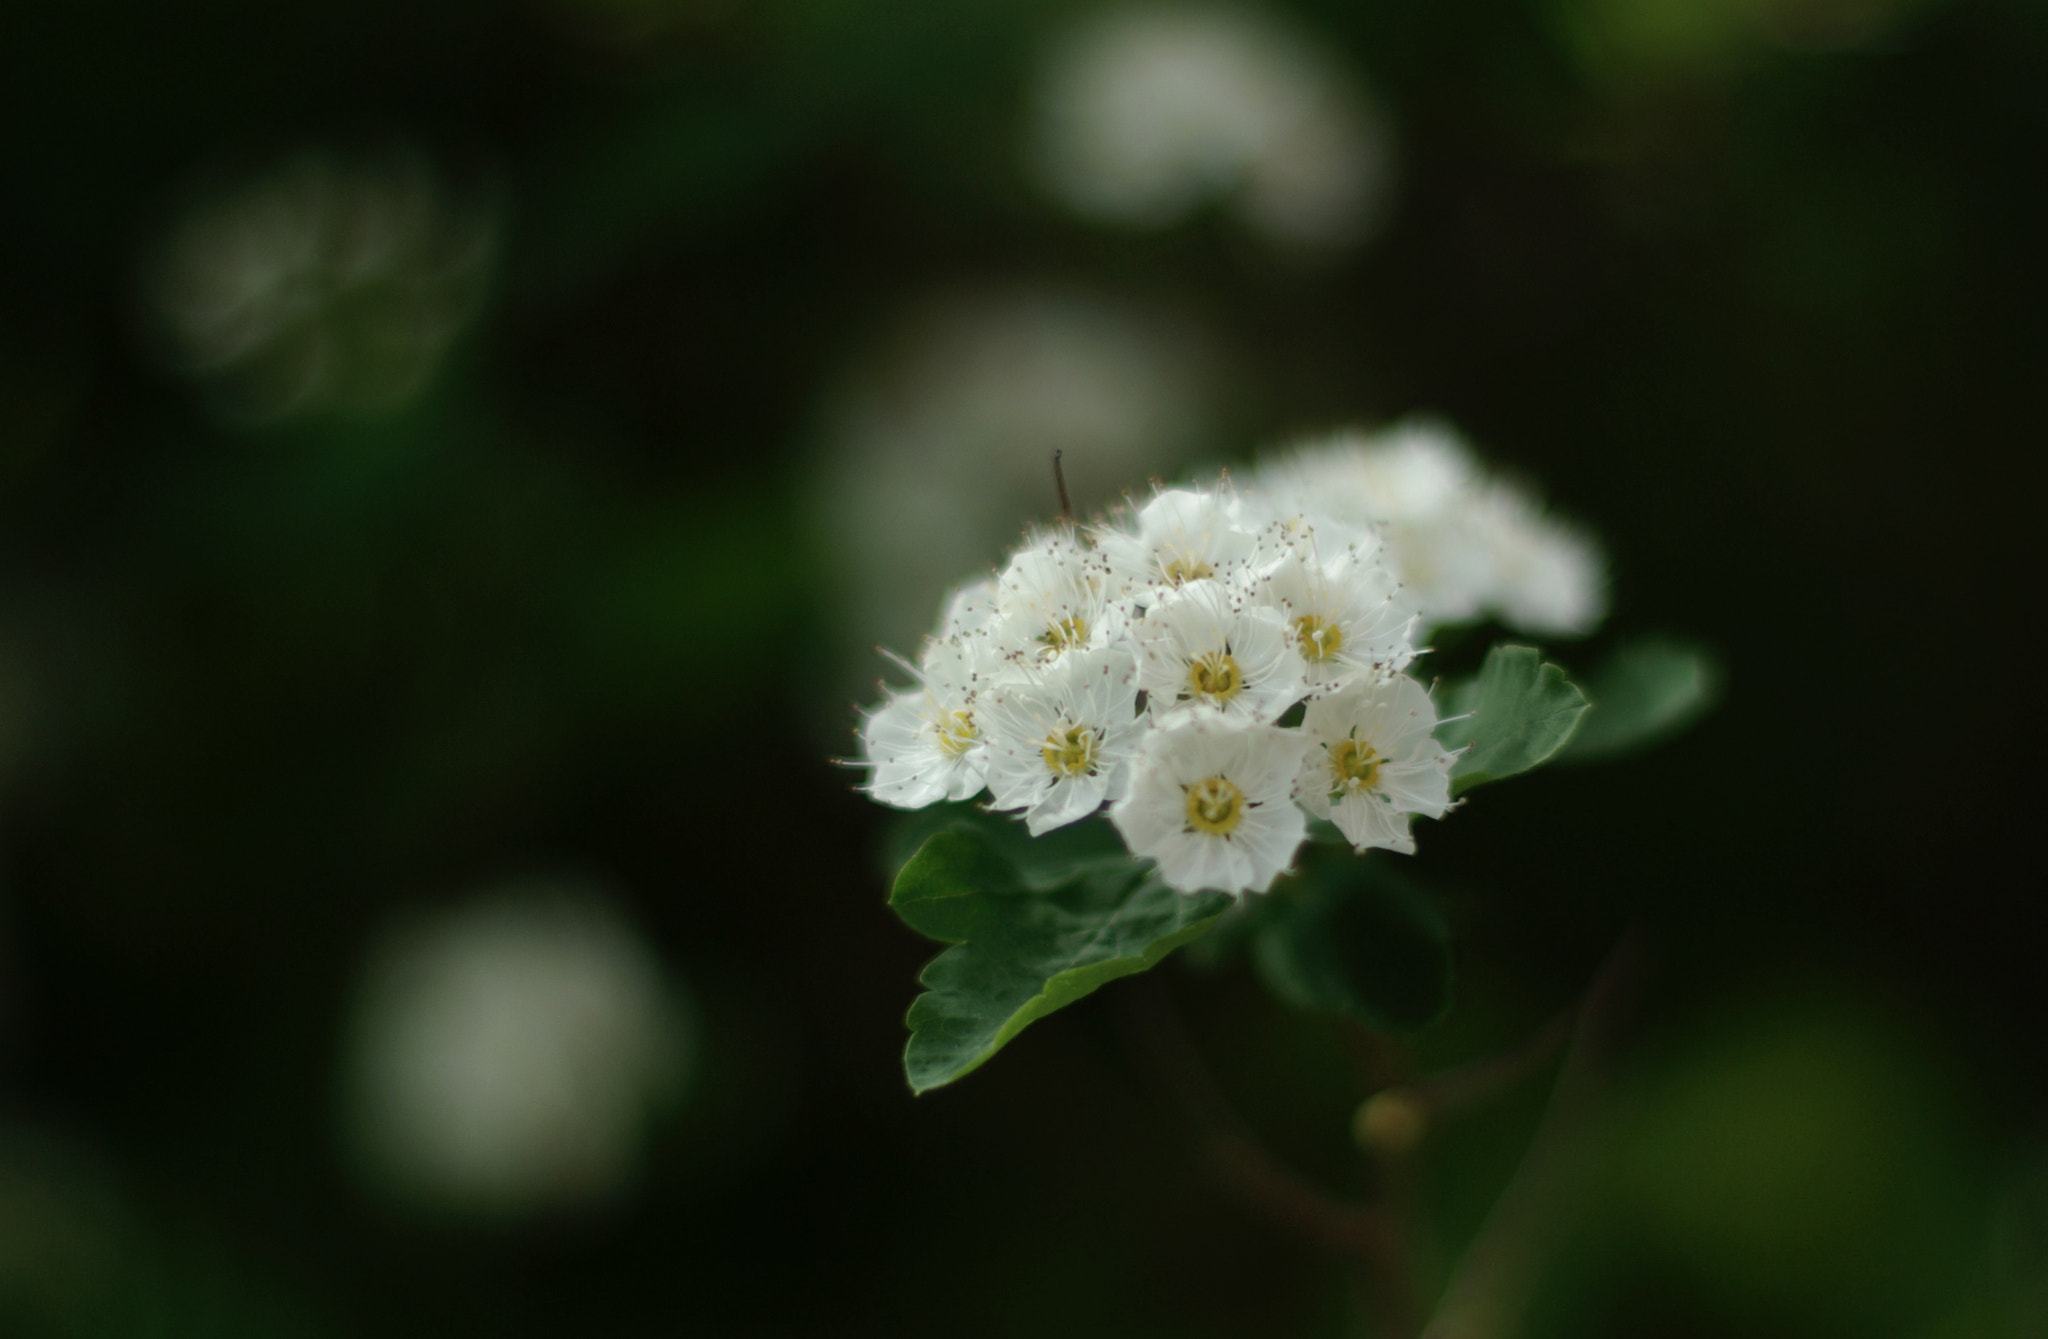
pixel 1517 712
pixel 1028 937
pixel 1357 938
pixel 1644 693
pixel 1043 861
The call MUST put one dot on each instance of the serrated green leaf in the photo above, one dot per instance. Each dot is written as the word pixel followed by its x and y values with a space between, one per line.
pixel 1643 694
pixel 1516 713
pixel 1357 938
pixel 1026 940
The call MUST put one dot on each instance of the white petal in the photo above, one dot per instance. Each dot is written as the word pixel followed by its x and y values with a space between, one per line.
pixel 1366 820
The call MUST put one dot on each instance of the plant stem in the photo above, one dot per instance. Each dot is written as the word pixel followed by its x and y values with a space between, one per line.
pixel 1490 1291
pixel 1240 1161
pixel 1474 1084
pixel 1493 1283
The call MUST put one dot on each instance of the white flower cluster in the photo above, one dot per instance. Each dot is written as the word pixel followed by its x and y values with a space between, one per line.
pixel 1148 662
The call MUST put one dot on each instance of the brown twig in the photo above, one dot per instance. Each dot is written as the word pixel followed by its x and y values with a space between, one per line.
pixel 1394 1120
pixel 1473 1084
pixel 1240 1160
pixel 1059 481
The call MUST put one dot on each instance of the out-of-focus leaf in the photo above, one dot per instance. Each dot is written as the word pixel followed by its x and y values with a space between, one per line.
pixel 1515 714
pixel 1235 929
pixel 1358 939
pixel 1027 938
pixel 1643 694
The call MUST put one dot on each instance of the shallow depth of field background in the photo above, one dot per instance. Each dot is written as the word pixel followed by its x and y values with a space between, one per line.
pixel 455 460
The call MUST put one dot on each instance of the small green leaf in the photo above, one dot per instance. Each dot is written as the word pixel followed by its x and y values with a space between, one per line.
pixel 1359 939
pixel 1517 712
pixel 1644 693
pixel 1043 861
pixel 1027 938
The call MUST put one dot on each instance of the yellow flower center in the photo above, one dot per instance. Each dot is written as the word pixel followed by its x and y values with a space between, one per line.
pixel 1070 752
pixel 1178 570
pixel 1215 676
pixel 1064 635
pixel 1215 806
pixel 1354 765
pixel 956 733
pixel 1319 637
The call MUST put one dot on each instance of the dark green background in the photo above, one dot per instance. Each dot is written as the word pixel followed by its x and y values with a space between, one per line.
pixel 1768 315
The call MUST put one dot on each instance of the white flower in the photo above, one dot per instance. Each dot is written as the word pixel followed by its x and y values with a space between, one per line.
pixel 923 745
pixel 1345 613
pixel 1549 577
pixel 506 1055
pixel 1373 762
pixel 1059 742
pixel 1052 598
pixel 1412 484
pixel 1211 800
pixel 1182 535
pixel 1202 647
pixel 1285 526
pixel 969 610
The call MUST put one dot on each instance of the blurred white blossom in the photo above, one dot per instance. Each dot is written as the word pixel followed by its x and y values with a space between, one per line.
pixel 320 285
pixel 1463 543
pixel 938 452
pixel 508 1054
pixel 1145 114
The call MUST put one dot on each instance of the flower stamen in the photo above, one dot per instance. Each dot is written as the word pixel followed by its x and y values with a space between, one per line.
pixel 1070 752
pixel 1319 637
pixel 1216 677
pixel 1354 766
pixel 1064 634
pixel 1215 806
pixel 956 733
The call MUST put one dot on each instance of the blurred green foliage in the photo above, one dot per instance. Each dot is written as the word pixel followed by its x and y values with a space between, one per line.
pixel 1796 1164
